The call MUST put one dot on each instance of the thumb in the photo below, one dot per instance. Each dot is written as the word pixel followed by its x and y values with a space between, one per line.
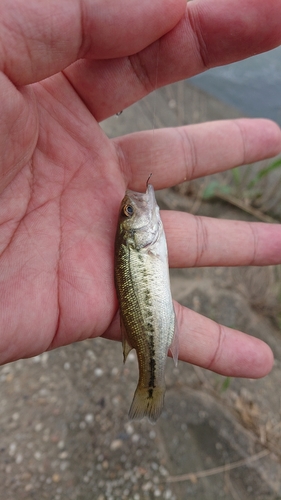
pixel 38 39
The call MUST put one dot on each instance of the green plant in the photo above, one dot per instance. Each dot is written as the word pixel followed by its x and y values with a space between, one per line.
pixel 257 194
pixel 264 172
pixel 225 385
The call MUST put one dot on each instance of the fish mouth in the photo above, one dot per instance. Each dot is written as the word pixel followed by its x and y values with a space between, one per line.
pixel 144 200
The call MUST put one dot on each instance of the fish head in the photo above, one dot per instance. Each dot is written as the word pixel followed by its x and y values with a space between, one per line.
pixel 139 216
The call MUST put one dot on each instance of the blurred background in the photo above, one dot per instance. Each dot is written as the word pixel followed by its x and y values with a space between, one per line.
pixel 64 431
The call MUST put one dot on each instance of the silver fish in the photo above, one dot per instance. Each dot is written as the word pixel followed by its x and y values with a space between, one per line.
pixel 143 290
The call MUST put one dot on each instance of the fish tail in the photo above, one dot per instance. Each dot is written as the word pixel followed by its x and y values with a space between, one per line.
pixel 148 402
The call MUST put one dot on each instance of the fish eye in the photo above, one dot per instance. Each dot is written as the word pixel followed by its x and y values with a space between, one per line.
pixel 128 210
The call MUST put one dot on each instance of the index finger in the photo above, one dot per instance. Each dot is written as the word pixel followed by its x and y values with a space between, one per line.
pixel 211 33
pixel 183 153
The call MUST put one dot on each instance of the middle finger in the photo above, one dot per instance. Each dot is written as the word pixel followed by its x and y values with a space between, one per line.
pixel 175 155
pixel 195 241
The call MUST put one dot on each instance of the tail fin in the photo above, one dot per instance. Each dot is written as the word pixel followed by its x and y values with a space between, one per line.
pixel 148 402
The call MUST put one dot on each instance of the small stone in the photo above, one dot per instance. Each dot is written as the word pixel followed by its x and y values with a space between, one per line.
pixel 15 416
pixel 64 465
pixel 19 458
pixel 10 377
pixel 66 365
pixel 116 400
pixel 28 487
pixel 116 444
pixel 127 475
pixel 163 471
pixel 89 418
pixel 44 358
pixel 44 392
pixel 131 356
pixel 63 455
pixel 91 354
pixel 167 495
pixel 38 455
pixel 202 414
pixel 56 478
pixel 98 372
pixel 12 449
pixel 135 438
pixel 5 369
pixel 152 434
pixel 60 445
pixel 39 427
pixel 26 476
pixel 129 428
pixel 147 486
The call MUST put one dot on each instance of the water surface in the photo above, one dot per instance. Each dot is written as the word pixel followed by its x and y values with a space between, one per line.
pixel 253 85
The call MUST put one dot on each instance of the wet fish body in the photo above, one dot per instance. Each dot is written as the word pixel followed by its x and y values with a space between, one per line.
pixel 143 290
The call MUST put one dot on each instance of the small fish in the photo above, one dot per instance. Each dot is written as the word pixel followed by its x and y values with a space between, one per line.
pixel 143 290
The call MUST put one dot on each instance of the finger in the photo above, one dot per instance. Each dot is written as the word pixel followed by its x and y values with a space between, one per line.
pixel 205 343
pixel 219 348
pixel 184 153
pixel 195 241
pixel 38 39
pixel 212 33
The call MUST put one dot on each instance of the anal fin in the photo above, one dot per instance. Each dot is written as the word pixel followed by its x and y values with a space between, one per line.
pixel 174 347
pixel 126 346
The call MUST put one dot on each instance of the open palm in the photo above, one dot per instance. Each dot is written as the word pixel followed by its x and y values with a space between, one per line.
pixel 62 179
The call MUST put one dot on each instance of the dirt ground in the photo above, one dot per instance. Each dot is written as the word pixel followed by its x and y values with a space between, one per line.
pixel 64 430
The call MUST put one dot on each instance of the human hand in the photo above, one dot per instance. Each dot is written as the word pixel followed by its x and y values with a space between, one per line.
pixel 62 180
